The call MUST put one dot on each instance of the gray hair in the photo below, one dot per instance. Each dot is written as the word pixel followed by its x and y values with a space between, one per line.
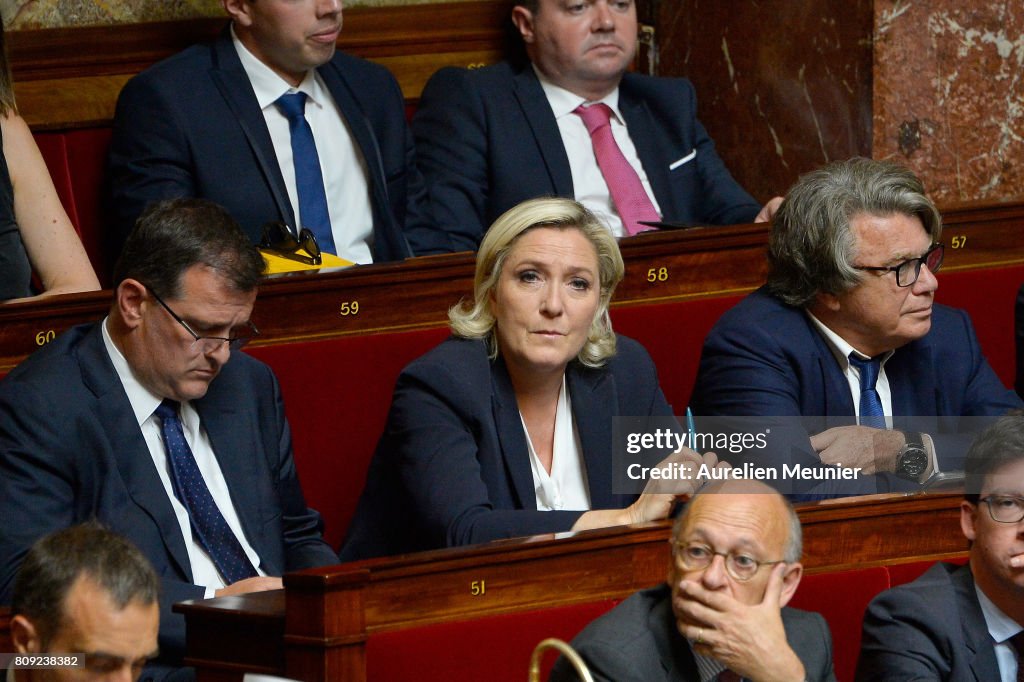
pixel 474 319
pixel 791 552
pixel 811 248
pixel 55 562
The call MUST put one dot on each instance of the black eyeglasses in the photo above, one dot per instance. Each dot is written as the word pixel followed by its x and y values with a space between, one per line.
pixel 695 557
pixel 210 344
pixel 1005 508
pixel 909 270
pixel 279 239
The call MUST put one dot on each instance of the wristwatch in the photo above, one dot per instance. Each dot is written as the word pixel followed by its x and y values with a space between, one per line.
pixel 912 459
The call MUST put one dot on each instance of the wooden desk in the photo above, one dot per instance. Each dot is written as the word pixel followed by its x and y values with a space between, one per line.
pixel 370 299
pixel 317 628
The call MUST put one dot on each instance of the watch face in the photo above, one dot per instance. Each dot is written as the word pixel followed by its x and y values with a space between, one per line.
pixel 912 462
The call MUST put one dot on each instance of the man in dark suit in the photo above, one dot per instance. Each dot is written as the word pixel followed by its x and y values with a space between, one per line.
pixel 208 123
pixel 722 615
pixel 962 622
pixel 141 422
pixel 846 327
pixel 89 597
pixel 490 138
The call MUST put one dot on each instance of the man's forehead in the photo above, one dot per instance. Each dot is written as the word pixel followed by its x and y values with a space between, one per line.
pixel 1008 479
pixel 750 519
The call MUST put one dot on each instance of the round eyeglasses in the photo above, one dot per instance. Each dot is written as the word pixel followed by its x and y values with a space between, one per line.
pixel 694 556
pixel 211 344
pixel 1005 508
pixel 909 270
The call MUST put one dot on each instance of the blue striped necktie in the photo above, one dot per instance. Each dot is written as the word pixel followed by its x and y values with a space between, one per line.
pixel 871 413
pixel 309 181
pixel 208 524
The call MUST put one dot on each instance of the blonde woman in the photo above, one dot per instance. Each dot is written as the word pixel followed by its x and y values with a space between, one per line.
pixel 505 429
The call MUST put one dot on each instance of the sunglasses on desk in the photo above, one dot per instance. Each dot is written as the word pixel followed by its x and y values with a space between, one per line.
pixel 279 239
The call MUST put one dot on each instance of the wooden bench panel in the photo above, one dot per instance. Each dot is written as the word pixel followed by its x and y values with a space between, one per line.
pixel 330 613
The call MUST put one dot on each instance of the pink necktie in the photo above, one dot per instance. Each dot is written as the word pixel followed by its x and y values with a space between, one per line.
pixel 627 191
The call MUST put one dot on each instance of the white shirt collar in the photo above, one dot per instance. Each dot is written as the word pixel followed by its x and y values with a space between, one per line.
pixel 143 401
pixel 1000 626
pixel 838 345
pixel 267 85
pixel 563 102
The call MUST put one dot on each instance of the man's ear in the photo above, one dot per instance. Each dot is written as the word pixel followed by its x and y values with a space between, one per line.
pixel 968 519
pixel 523 19
pixel 130 298
pixel 824 301
pixel 790 581
pixel 24 636
pixel 239 12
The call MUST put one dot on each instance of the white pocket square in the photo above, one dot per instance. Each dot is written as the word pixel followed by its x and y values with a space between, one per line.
pixel 686 159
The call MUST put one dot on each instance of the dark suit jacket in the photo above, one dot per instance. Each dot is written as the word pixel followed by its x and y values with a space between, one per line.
pixel 486 139
pixel 453 465
pixel 191 126
pixel 764 358
pixel 930 629
pixel 71 450
pixel 637 641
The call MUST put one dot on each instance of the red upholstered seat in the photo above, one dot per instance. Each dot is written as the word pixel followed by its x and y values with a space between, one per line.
pixel 337 393
pixel 77 160
pixel 673 333
pixel 989 296
pixel 842 598
pixel 495 648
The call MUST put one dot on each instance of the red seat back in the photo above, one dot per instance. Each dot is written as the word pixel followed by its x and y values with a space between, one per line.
pixel 842 598
pixel 337 393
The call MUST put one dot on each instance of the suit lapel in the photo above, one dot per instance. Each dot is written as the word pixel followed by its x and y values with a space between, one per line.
pixel 537 112
pixel 512 436
pixel 134 461
pixel 912 381
pixel 233 84
pixel 232 436
pixel 836 399
pixel 649 148
pixel 594 402
pixel 977 638
pixel 674 651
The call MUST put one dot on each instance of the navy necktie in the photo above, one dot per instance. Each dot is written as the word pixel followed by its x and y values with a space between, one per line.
pixel 309 181
pixel 190 488
pixel 1017 642
pixel 871 413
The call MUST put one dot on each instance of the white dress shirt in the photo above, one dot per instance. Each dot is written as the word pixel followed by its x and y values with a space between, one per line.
pixel 144 403
pixel 1002 628
pixel 341 161
pixel 565 488
pixel 588 183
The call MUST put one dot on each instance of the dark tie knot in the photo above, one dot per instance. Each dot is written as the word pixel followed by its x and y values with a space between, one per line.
pixel 167 409
pixel 868 370
pixel 594 116
pixel 292 105
pixel 1017 642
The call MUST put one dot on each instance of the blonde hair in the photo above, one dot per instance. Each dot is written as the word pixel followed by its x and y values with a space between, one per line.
pixel 474 320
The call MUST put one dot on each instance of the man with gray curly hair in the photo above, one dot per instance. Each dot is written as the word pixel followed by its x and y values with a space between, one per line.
pixel 847 326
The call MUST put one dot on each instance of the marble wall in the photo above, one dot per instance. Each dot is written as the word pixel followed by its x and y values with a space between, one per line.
pixel 949 94
pixel 29 14
pixel 786 86
pixel 782 87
